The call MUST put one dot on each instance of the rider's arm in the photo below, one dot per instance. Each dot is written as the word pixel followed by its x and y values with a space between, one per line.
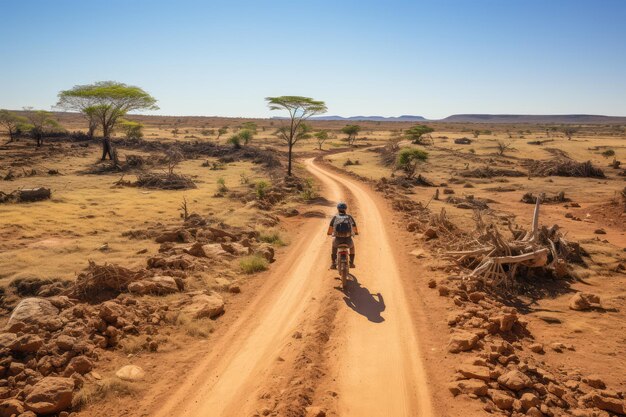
pixel 355 229
pixel 331 228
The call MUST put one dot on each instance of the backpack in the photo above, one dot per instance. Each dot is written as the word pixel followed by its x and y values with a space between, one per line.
pixel 343 225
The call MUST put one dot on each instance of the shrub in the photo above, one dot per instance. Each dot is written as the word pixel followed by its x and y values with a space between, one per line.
pixel 608 153
pixel 308 190
pixel 261 189
pixel 221 185
pixel 408 159
pixel 271 236
pixel 253 263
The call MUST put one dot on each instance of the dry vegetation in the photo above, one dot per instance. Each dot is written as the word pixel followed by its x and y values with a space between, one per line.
pixel 181 218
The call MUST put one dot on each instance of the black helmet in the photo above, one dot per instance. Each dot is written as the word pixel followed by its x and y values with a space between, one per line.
pixel 341 206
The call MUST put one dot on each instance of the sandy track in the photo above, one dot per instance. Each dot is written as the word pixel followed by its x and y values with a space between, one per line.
pixel 374 361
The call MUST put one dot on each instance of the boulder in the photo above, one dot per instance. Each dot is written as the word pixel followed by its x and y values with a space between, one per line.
pixel 11 407
pixel 130 373
pixel 502 399
pixel 468 386
pixel 110 311
pixel 7 340
pixel 180 236
pixel 50 395
pixel 537 347
pixel 584 301
pixel 27 343
pixel 265 250
pixel 514 380
pixel 594 381
pixel 36 311
pixel 461 341
pixel 203 305
pixel 65 342
pixel 476 372
pixel 157 285
pixel 613 405
pixel 236 249
pixel 79 364
pixel 529 400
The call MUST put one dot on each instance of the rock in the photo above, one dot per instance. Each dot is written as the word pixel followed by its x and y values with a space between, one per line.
pixel 476 296
pixel 600 232
pixel 11 407
pixel 50 395
pixel 584 301
pixel 502 399
pixel 557 347
pixel 65 342
pixel 130 373
pixel 315 412
pixel 505 321
pixel 236 249
pixel 214 250
pixel 556 389
pixel 234 289
pixel 537 347
pixel 27 343
pixel 430 234
pixel 7 340
pixel 157 285
pixel 203 305
pixel 28 414
pixel 614 405
pixel 79 364
pixel 432 283
pixel 110 311
pixel 529 400
pixel 266 251
pixel 36 311
pixel 195 250
pixel 534 412
pixel 594 381
pixel 476 372
pixel 180 236
pixel 443 290
pixel 514 380
pixel 468 386
pixel 461 341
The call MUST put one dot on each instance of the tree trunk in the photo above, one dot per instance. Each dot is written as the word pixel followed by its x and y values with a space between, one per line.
pixel 107 148
pixel 289 161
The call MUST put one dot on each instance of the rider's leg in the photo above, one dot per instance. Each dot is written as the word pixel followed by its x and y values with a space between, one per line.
pixel 352 253
pixel 333 254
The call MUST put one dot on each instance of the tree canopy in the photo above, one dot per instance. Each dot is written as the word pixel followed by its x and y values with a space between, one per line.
pixel 107 102
pixel 321 136
pixel 299 109
pixel 351 131
pixel 11 122
pixel 408 159
pixel 416 132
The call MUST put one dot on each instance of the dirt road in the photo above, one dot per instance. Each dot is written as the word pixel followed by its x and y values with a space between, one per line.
pixel 301 338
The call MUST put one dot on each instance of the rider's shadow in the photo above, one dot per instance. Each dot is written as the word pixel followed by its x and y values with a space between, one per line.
pixel 360 299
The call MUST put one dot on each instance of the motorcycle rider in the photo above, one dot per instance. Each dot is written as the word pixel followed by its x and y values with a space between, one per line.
pixel 342 228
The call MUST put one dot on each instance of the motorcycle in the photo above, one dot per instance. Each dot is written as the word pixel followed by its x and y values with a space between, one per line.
pixel 343 263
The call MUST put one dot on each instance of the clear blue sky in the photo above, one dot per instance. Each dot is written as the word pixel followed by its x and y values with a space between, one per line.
pixel 430 58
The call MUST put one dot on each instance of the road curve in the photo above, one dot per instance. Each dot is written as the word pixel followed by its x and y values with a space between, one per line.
pixel 376 363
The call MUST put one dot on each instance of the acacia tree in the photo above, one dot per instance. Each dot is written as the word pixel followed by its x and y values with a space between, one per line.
pixel 416 132
pixel 569 132
pixel 321 136
pixel 351 131
pixel 11 122
pixel 107 102
pixel 408 160
pixel 221 131
pixel 40 124
pixel 299 109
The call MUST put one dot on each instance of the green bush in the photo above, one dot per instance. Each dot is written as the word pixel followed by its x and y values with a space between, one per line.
pixel 221 185
pixel 608 153
pixel 253 263
pixel 308 190
pixel 261 189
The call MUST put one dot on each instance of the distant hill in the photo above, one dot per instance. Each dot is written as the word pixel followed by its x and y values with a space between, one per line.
pixel 529 118
pixel 403 118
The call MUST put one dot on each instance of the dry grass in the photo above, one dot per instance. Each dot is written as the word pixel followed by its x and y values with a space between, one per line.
pixel 271 235
pixel 200 328
pixel 253 263
pixel 103 390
